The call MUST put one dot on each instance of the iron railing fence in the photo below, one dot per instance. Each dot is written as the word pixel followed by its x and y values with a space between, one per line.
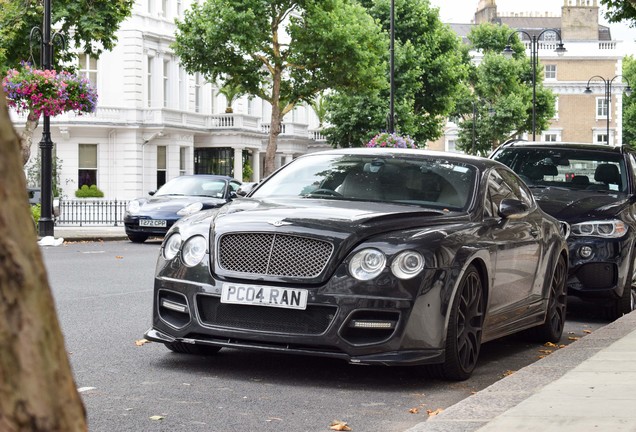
pixel 80 212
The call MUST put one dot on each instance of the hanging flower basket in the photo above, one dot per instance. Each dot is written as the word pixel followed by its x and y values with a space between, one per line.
pixel 37 91
pixel 391 140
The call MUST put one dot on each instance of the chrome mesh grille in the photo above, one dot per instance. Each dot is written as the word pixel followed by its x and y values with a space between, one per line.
pixel 273 254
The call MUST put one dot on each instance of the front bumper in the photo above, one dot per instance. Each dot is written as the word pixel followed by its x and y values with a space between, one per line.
pixel 605 272
pixel 191 312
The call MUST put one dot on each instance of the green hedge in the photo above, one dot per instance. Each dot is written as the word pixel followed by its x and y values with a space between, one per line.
pixel 89 192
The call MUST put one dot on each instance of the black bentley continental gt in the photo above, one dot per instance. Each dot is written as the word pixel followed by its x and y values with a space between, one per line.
pixel 374 256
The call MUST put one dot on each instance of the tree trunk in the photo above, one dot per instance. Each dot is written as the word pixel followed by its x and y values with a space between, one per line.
pixel 274 125
pixel 37 389
pixel 27 137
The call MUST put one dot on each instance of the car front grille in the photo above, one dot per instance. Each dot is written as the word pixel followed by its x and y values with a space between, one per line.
pixel 272 254
pixel 311 321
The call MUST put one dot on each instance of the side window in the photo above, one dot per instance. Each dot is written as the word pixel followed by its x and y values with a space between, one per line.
pixel 632 167
pixel 234 186
pixel 502 185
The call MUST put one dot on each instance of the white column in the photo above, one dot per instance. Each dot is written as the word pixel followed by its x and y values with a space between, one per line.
pixel 238 164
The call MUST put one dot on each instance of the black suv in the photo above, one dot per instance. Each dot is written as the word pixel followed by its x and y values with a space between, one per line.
pixel 591 187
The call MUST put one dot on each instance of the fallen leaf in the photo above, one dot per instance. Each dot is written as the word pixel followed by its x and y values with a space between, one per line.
pixel 157 417
pixel 549 344
pixel 432 413
pixel 573 338
pixel 119 257
pixel 546 351
pixel 587 331
pixel 271 419
pixel 508 373
pixel 414 410
pixel 338 425
pixel 562 346
pixel 141 342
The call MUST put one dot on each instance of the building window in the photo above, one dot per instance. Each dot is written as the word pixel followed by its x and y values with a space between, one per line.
pixel 150 6
pixel 198 92
pixel 601 108
pixel 161 166
pixel 164 8
pixel 214 161
pixel 182 160
pixel 149 80
pixel 87 166
pixel 550 71
pixel 601 138
pixel 88 68
pixel 166 83
pixel 551 137
pixel 451 146
pixel 183 93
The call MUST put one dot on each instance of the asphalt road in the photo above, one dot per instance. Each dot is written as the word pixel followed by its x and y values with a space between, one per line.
pixel 103 294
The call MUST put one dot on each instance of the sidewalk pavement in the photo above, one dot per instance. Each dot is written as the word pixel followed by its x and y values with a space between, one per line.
pixel 587 386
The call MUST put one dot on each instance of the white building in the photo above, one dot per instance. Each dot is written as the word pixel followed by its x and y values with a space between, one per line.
pixel 154 121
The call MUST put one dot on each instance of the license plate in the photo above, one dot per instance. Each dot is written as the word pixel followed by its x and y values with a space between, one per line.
pixel 152 223
pixel 289 298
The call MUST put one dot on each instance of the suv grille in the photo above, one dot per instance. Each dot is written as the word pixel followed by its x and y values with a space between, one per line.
pixel 273 254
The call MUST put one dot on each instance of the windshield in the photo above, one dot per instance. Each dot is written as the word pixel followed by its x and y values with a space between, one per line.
pixel 197 186
pixel 405 179
pixel 570 168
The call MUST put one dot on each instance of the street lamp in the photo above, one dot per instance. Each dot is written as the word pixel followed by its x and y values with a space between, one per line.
pixel 534 57
pixel 45 225
pixel 607 84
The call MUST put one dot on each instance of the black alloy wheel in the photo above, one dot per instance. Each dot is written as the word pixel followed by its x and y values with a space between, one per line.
pixel 184 348
pixel 552 329
pixel 463 339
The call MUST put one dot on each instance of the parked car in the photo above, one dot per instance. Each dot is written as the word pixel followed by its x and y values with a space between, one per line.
pixel 181 196
pixel 35 197
pixel 374 256
pixel 592 187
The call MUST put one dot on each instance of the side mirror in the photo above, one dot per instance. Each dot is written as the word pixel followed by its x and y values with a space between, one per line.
pixel 151 193
pixel 512 209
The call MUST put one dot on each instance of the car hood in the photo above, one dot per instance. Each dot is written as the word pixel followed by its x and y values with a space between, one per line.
pixel 576 206
pixel 323 217
pixel 174 203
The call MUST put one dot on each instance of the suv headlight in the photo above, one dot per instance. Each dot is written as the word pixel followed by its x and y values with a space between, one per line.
pixel 367 264
pixel 606 229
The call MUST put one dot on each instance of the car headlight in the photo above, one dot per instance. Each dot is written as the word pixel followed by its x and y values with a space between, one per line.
pixel 133 207
pixel 171 246
pixel 607 229
pixel 194 250
pixel 190 209
pixel 407 264
pixel 367 264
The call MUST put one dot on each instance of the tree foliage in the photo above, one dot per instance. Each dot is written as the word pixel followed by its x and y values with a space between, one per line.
pixel 283 51
pixel 90 26
pixel 629 103
pixel 430 66
pixel 620 10
pixel 500 104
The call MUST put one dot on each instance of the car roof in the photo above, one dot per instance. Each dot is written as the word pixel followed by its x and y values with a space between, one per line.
pixel 566 145
pixel 478 161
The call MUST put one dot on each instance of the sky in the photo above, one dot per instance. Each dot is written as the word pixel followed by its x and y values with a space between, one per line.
pixel 463 11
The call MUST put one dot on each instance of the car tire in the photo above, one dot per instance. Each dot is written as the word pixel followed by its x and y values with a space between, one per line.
pixel 465 326
pixel 137 238
pixel 552 329
pixel 183 348
pixel 623 305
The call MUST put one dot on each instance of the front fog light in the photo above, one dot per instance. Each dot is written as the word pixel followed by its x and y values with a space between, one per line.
pixel 367 264
pixel 585 252
pixel 407 265
pixel 194 250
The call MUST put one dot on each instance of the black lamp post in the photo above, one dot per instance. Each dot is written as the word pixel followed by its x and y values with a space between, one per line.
pixel 45 226
pixel 534 58
pixel 607 84
pixel 391 122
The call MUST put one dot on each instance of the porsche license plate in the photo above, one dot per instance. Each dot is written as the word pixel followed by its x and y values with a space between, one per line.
pixel 289 298
pixel 152 223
